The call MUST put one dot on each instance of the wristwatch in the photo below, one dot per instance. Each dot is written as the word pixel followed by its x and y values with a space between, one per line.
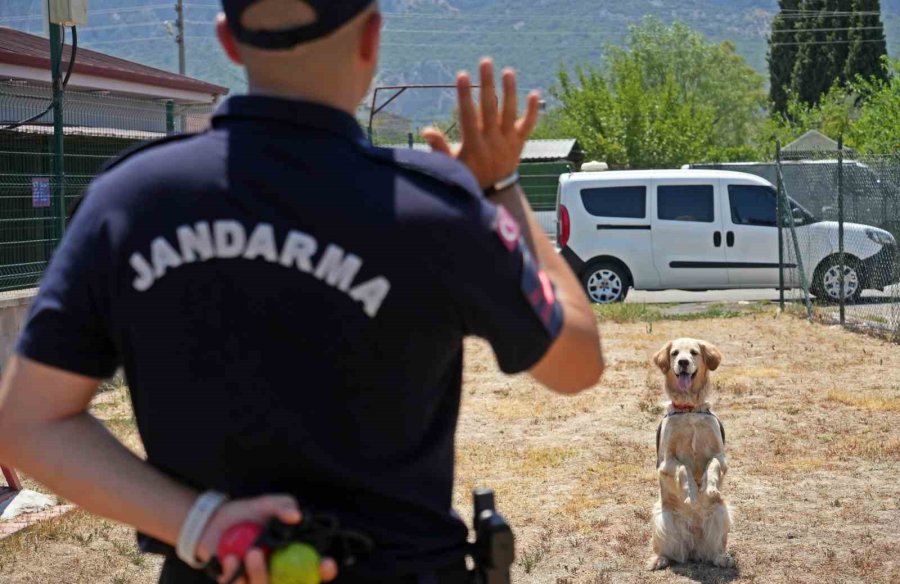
pixel 502 184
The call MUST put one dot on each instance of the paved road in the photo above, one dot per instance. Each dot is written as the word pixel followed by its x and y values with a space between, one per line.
pixel 681 296
pixel 881 309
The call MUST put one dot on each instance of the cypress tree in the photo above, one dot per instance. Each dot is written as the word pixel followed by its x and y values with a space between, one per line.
pixel 810 72
pixel 867 42
pixel 782 53
pixel 837 21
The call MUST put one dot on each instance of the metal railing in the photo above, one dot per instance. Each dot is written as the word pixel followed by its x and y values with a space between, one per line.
pixel 34 201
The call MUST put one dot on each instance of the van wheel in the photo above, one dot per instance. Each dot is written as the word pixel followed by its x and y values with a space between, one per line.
pixel 605 283
pixel 827 282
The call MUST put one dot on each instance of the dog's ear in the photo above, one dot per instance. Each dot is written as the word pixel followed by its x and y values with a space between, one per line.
pixel 711 356
pixel 662 359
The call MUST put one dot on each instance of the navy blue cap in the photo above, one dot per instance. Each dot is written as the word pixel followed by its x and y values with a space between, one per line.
pixel 330 16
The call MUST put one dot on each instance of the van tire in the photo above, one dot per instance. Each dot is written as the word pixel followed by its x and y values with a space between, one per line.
pixel 824 281
pixel 605 282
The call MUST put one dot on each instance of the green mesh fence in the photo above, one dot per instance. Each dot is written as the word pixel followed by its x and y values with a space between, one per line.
pixel 97 127
pixel 540 181
pixel 841 257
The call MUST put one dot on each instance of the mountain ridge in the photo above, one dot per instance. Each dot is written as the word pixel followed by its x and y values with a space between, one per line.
pixel 427 41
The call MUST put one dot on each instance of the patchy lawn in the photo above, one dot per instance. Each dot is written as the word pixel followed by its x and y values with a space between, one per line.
pixel 813 442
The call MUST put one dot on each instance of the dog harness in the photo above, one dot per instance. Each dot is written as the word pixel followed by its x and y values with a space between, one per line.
pixel 678 412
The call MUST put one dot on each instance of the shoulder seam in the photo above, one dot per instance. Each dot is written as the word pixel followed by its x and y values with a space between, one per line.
pixel 137 148
pixel 381 157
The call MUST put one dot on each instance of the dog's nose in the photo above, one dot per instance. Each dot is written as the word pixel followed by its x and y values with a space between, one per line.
pixel 684 363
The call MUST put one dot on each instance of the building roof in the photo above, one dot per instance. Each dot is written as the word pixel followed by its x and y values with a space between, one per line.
pixel 20 48
pixel 534 151
pixel 548 150
pixel 810 142
pixel 90 131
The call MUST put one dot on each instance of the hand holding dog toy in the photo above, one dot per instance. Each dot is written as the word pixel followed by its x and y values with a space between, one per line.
pixel 294 552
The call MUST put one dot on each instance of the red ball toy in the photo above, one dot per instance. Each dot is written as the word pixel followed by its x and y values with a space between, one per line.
pixel 238 540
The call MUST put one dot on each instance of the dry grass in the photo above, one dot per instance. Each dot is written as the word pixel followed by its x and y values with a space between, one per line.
pixel 813 442
pixel 79 548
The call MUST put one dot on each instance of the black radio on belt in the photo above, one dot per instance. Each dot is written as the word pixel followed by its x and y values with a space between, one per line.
pixel 495 550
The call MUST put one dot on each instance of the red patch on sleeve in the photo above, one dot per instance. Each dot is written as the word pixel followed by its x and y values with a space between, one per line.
pixel 507 229
pixel 547 292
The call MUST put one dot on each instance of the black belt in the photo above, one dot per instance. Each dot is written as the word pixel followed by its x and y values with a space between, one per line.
pixel 177 572
pixel 455 573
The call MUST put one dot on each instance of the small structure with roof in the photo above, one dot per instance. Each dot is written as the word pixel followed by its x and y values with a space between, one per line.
pixel 110 104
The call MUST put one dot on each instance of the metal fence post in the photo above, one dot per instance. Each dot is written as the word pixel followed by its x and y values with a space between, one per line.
pixel 170 117
pixel 780 212
pixel 56 40
pixel 804 283
pixel 840 193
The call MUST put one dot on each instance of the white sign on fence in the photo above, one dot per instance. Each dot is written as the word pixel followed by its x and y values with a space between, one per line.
pixel 40 192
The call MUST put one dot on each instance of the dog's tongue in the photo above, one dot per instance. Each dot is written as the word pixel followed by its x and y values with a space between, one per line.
pixel 684 381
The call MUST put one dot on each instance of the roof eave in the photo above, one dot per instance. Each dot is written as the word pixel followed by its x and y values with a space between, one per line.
pixel 185 84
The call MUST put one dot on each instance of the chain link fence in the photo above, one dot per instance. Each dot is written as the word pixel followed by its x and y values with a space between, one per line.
pixel 841 221
pixel 38 188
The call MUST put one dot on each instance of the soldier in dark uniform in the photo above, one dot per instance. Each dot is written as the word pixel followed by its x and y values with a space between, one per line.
pixel 289 306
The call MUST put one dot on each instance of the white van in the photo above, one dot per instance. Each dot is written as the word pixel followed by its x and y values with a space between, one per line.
pixel 705 230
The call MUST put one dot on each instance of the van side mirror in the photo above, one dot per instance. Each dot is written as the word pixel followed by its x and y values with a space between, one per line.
pixel 799 216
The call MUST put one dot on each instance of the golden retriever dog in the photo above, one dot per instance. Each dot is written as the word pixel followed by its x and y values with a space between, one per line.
pixel 691 520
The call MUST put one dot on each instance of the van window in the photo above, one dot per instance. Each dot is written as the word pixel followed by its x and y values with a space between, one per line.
pixel 753 205
pixel 686 203
pixel 623 202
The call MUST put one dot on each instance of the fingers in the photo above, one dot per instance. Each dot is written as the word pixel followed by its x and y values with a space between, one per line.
pixel 230 566
pixel 328 570
pixel 529 121
pixel 488 94
pixel 510 101
pixel 437 140
pixel 284 507
pixel 257 571
pixel 468 115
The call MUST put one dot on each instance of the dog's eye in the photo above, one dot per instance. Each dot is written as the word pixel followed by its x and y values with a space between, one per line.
pixel 674 353
pixel 694 353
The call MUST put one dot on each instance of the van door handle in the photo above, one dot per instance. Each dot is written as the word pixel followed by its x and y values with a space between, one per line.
pixel 730 239
pixel 717 239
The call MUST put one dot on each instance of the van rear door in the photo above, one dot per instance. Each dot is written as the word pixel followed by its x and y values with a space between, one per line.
pixel 688 239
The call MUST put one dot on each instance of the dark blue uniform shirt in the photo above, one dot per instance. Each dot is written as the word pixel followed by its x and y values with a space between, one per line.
pixel 289 305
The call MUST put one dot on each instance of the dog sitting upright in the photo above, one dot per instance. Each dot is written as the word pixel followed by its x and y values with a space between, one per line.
pixel 691 519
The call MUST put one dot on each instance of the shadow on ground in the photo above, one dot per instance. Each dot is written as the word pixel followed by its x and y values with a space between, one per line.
pixel 706 574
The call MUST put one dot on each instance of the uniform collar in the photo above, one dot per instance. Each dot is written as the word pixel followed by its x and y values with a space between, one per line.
pixel 278 109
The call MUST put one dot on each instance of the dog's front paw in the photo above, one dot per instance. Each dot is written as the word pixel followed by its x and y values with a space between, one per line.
pixel 713 493
pixel 724 561
pixel 658 563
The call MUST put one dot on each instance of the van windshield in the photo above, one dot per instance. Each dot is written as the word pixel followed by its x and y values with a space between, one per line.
pixel 800 211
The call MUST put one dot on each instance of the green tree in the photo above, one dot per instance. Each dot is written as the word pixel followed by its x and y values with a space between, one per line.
pixel 668 97
pixel 875 129
pixel 868 46
pixel 865 112
pixel 836 21
pixel 816 43
pixel 809 80
pixel 782 53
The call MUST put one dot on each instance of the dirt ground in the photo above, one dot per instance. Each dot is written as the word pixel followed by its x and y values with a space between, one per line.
pixel 813 442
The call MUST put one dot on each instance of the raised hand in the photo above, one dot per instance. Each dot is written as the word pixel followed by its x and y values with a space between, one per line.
pixel 492 137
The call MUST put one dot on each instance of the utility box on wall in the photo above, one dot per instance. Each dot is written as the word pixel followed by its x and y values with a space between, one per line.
pixel 68 12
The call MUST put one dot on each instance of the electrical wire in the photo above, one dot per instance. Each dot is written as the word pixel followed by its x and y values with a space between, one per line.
pixel 65 79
